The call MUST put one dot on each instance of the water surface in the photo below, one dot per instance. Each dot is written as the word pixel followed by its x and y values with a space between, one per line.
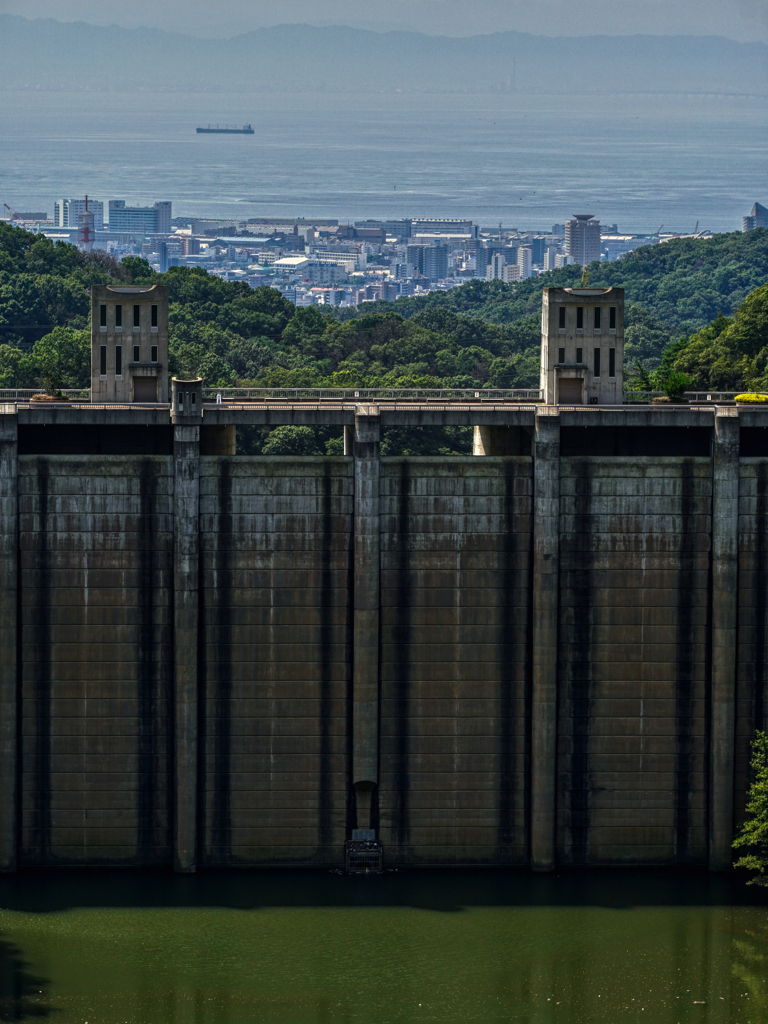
pixel 525 160
pixel 444 947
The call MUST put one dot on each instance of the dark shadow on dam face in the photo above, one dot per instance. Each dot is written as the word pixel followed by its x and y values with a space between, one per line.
pixel 85 439
pixel 441 891
pixel 635 442
pixel 22 994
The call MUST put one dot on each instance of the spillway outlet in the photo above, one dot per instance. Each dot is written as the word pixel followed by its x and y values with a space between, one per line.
pixel 364 853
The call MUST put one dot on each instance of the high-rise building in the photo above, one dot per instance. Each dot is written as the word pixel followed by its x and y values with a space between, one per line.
pixel 550 254
pixel 170 253
pixel 435 262
pixel 401 270
pixel 582 238
pixel 758 218
pixel 66 212
pixel 525 262
pixel 139 220
pixel 495 269
pixel 539 246
pixel 414 255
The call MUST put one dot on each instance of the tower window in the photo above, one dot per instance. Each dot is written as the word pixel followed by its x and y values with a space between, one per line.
pixel 153 354
pixel 136 354
pixel 103 361
pixel 103 317
pixel 136 317
pixel 561 355
pixel 611 362
pixel 153 320
pixel 597 362
pixel 579 318
pixel 598 311
pixel 612 318
pixel 561 313
pixel 118 360
pixel 118 318
pixel 579 355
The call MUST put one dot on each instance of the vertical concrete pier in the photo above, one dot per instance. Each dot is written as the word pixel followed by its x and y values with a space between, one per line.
pixel 9 541
pixel 186 413
pixel 546 530
pixel 725 545
pixel 365 715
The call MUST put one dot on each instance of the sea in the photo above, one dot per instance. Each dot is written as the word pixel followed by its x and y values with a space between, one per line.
pixel 643 162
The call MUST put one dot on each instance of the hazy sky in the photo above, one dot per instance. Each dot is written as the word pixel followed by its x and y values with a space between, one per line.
pixel 737 19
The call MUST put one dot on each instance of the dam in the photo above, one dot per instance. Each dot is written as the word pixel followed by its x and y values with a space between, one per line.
pixel 549 653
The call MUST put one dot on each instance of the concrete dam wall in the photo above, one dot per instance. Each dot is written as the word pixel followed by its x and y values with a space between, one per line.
pixel 552 652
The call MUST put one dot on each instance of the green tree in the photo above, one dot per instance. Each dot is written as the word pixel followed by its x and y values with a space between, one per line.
pixel 138 269
pixel 291 441
pixel 62 359
pixel 731 354
pixel 754 832
pixel 676 384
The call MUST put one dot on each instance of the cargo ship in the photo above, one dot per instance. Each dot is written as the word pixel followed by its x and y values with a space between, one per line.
pixel 226 130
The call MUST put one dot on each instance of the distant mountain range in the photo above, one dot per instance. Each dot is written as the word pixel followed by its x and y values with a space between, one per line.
pixel 47 54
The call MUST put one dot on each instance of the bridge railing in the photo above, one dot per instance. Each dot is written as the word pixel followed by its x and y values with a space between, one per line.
pixel 644 397
pixel 220 395
pixel 27 394
pixel 216 395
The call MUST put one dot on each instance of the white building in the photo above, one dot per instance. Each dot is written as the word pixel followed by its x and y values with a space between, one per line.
pixel 311 269
pixel 525 262
pixel 582 238
pixel 614 246
pixel 139 220
pixel 495 269
pixel 67 211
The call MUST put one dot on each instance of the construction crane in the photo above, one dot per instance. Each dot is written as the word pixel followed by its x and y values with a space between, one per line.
pixel 13 214
pixel 584 277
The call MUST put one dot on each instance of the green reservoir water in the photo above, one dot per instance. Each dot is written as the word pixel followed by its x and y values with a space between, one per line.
pixel 303 948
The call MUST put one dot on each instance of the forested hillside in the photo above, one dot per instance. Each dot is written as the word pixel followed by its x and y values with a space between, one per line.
pixel 731 354
pixel 482 334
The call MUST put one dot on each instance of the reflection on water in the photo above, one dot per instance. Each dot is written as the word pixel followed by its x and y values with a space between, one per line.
pixel 301 948
pixel 22 994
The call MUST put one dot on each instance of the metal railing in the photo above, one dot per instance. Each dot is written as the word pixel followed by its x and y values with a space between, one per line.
pixel 644 397
pixel 221 395
pixel 26 394
pixel 392 395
